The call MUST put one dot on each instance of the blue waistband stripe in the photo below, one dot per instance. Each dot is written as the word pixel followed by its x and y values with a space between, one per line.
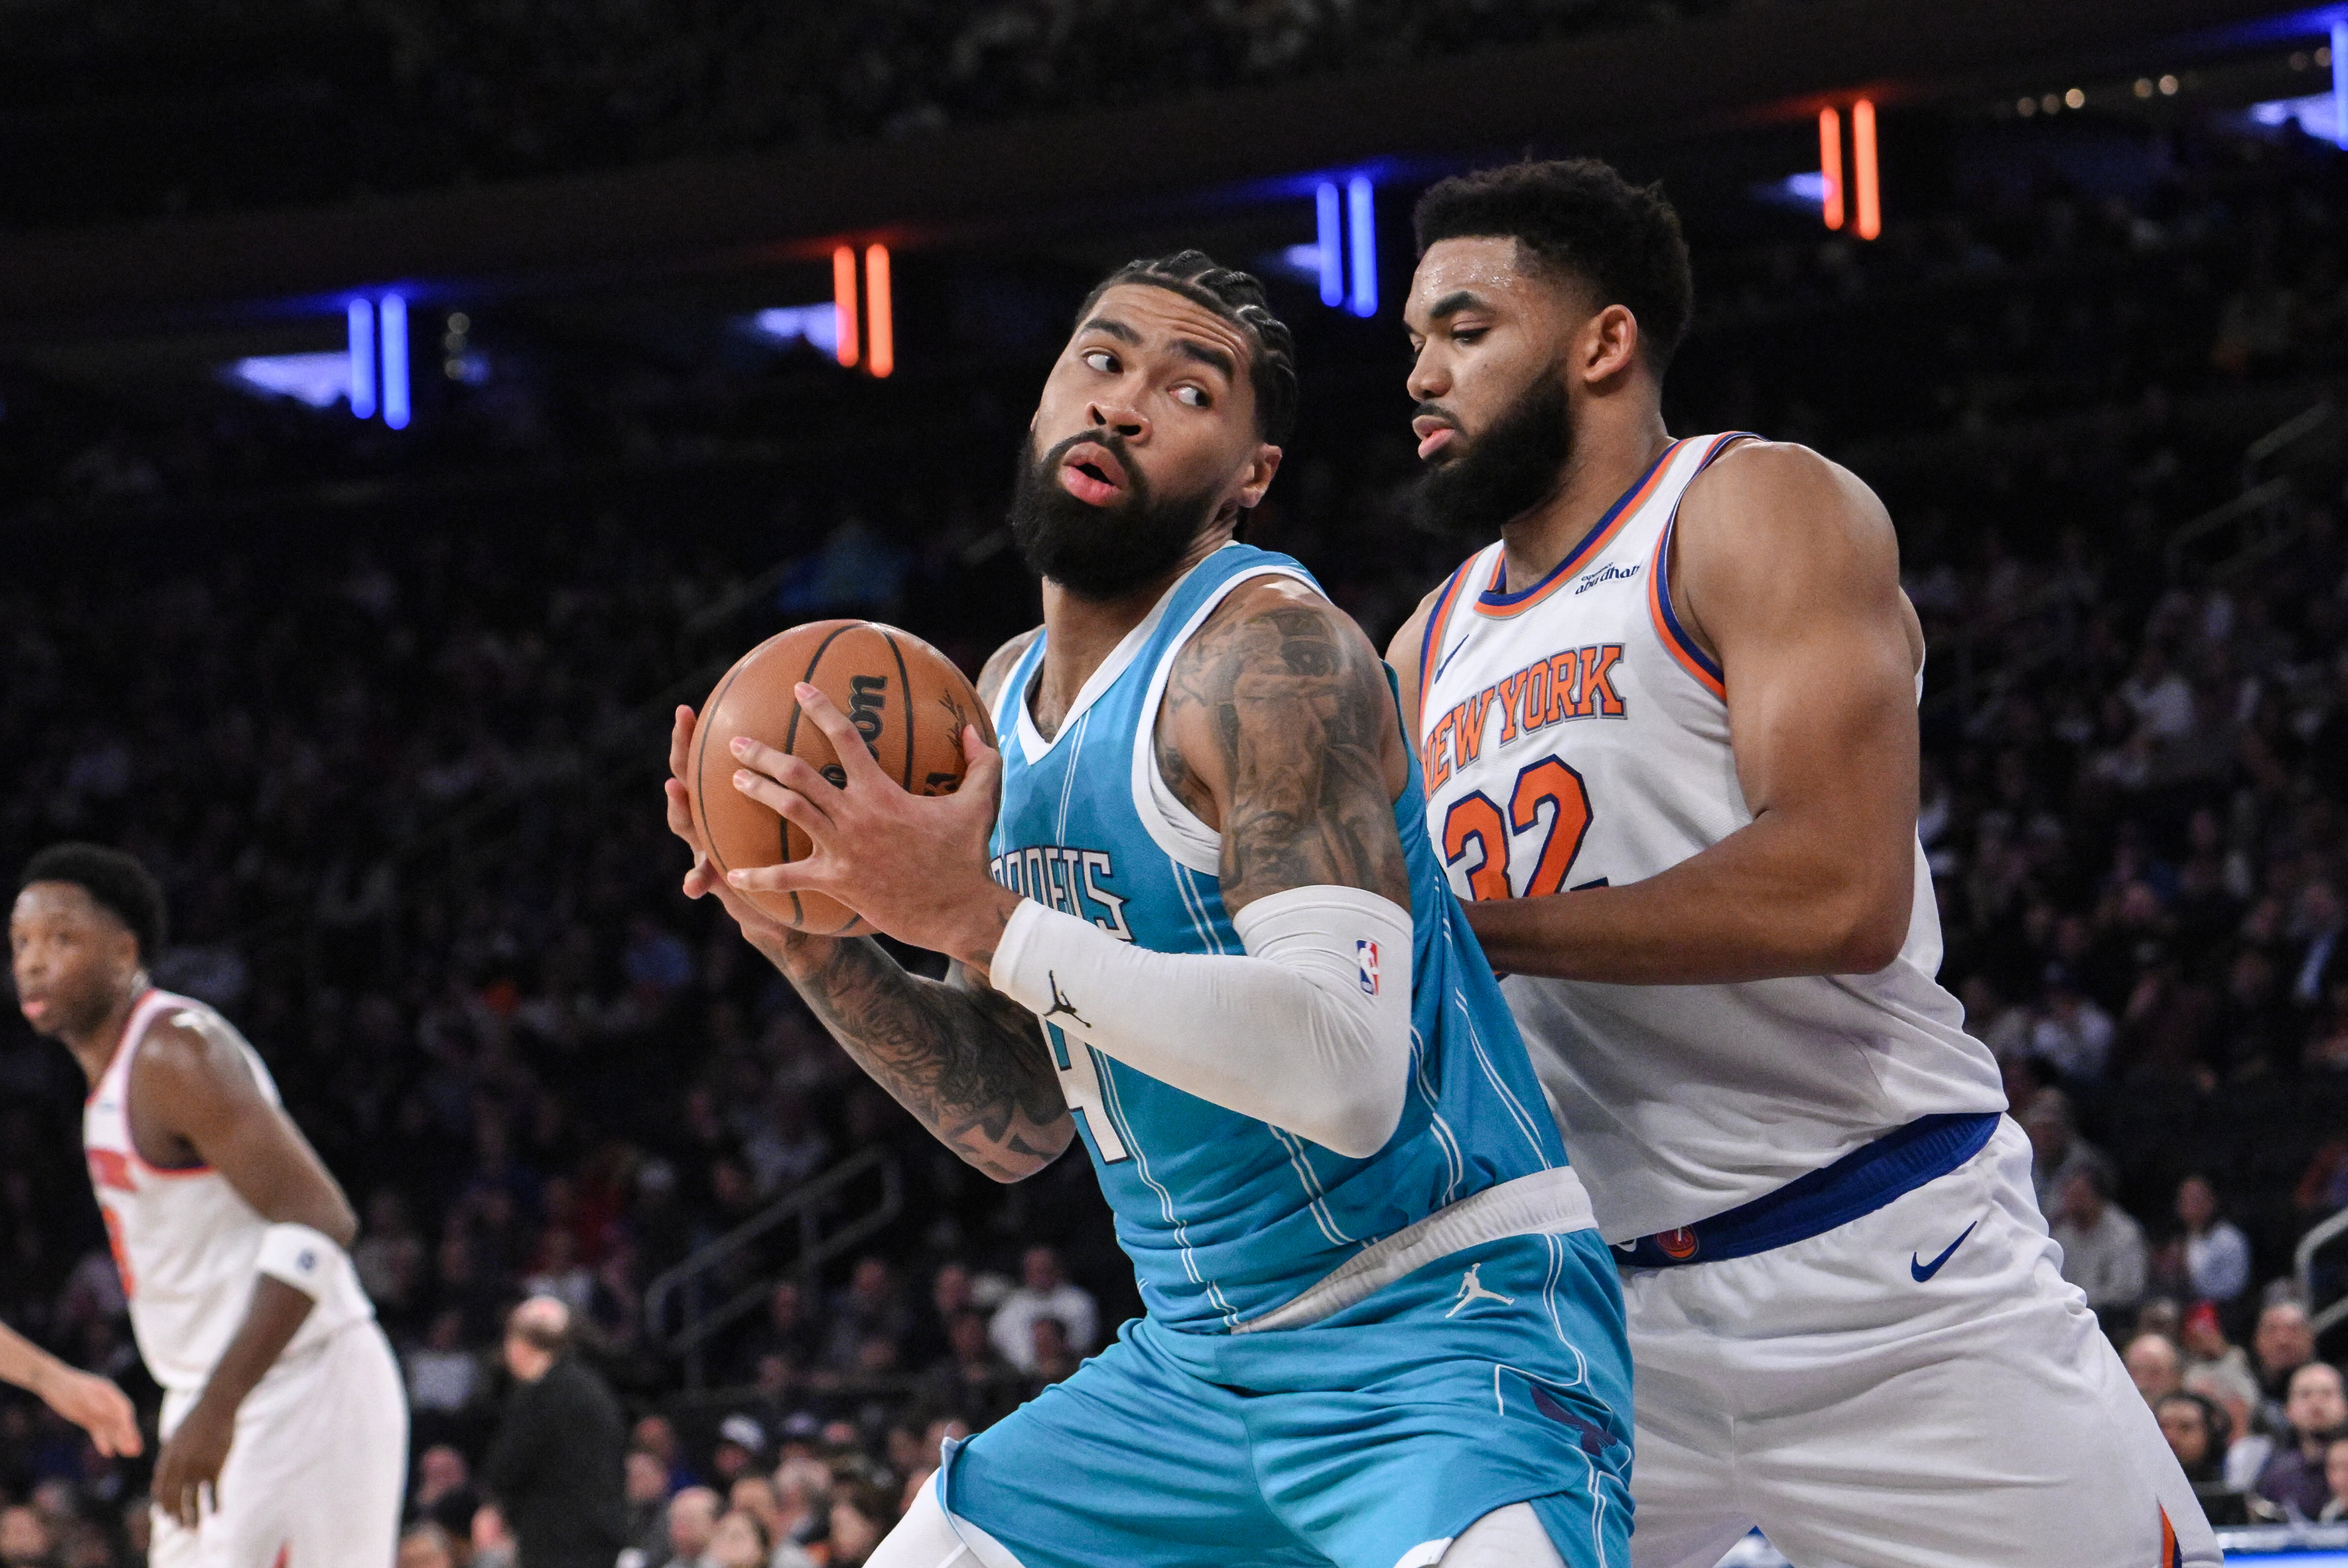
pixel 1859 1183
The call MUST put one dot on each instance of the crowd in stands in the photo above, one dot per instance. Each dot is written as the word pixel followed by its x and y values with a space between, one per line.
pixel 421 93
pixel 399 775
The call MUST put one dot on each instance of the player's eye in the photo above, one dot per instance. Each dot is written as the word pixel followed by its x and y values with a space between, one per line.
pixel 1467 334
pixel 1195 396
pixel 1102 360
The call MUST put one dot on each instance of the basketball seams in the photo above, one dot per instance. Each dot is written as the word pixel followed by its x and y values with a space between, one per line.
pixel 905 691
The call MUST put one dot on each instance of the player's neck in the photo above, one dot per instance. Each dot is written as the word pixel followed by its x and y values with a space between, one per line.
pixel 1079 633
pixel 1605 463
pixel 93 1049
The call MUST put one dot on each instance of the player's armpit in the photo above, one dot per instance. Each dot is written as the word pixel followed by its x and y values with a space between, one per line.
pixel 1279 730
pixel 968 1061
pixel 1402 655
pixel 193 1089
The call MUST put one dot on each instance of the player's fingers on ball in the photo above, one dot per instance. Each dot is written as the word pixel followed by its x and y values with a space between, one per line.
pixel 797 773
pixel 792 876
pixel 846 740
pixel 680 740
pixel 775 797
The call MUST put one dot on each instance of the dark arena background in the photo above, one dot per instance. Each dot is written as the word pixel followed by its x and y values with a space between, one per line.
pixel 404 405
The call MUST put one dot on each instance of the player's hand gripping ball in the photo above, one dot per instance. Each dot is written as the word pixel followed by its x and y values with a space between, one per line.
pixel 906 699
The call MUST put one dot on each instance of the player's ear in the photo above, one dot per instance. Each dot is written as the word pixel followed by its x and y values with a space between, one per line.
pixel 1610 343
pixel 1261 469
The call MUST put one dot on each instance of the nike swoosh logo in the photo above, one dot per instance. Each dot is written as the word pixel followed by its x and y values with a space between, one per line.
pixel 1449 656
pixel 1926 1271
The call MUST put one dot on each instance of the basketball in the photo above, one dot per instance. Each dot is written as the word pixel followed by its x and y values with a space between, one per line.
pixel 906 698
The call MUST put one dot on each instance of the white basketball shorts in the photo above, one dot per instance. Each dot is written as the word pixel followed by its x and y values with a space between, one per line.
pixel 1915 1389
pixel 316 1471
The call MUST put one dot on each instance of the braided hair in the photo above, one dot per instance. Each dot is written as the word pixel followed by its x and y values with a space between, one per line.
pixel 1238 297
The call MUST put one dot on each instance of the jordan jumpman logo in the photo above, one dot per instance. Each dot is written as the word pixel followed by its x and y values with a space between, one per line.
pixel 1060 1003
pixel 1472 1289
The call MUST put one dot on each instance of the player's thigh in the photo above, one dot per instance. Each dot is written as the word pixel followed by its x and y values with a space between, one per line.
pixel 1993 1427
pixel 1383 1435
pixel 1130 1462
pixel 319 1462
pixel 1682 1480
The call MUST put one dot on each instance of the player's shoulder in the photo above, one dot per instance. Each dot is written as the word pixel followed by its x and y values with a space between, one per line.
pixel 1002 662
pixel 1768 496
pixel 189 1047
pixel 1277 617
pixel 1402 649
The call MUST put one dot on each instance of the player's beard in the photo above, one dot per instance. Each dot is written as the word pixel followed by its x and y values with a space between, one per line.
pixel 1504 473
pixel 1101 552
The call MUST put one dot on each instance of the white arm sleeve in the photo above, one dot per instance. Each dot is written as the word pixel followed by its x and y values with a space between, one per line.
pixel 1310 1031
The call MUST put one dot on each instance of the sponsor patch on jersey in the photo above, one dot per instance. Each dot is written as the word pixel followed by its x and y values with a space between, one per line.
pixel 1365 954
pixel 1610 573
pixel 111 1167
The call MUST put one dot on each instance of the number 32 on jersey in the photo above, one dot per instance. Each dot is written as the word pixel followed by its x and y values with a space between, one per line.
pixel 1545 821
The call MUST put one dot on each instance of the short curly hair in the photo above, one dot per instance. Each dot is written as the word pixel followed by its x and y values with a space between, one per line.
pixel 1238 298
pixel 1583 220
pixel 114 879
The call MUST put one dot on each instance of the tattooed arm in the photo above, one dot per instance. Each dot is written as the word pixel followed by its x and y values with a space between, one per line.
pixel 968 1062
pixel 1279 730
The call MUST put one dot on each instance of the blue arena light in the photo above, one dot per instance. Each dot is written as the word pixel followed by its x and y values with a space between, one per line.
pixel 1330 258
pixel 815 325
pixel 2340 83
pixel 1361 233
pixel 360 379
pixel 319 380
pixel 393 311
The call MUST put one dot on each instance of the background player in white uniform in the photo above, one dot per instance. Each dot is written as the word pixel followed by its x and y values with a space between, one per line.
pixel 284 1430
pixel 1668 728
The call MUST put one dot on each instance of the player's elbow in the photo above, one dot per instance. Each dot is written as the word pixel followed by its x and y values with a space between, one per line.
pixel 1872 925
pixel 1358 1120
pixel 341 1226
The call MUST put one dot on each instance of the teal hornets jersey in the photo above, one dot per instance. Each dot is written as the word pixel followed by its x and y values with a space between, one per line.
pixel 1227 1217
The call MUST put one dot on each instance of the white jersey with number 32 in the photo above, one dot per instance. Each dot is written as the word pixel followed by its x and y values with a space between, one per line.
pixel 187 1243
pixel 1574 736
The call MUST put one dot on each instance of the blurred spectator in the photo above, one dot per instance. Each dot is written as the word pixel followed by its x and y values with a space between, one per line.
pixel 2057 1152
pixel 426 1545
pixel 740 1541
pixel 868 1306
pixel 2217 1254
pixel 692 1519
pixel 555 1467
pixel 493 1539
pixel 2209 1356
pixel 2335 1481
pixel 2314 1412
pixel 1043 1292
pixel 741 1444
pixel 26 1541
pixel 1052 1357
pixel 2103 1249
pixel 971 1376
pixel 443 1493
pixel 803 1500
pixel 2154 1366
pixel 862 1509
pixel 444 1376
pixel 2197 1431
pixel 646 1490
pixel 2282 1343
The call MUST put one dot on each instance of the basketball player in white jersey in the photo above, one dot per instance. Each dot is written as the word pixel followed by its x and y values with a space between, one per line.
pixel 284 1430
pixel 1668 728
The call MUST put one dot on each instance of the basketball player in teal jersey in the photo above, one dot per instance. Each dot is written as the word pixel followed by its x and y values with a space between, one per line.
pixel 1380 1332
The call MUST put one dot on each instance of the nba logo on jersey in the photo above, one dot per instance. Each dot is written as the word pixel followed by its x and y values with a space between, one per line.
pixel 1366 954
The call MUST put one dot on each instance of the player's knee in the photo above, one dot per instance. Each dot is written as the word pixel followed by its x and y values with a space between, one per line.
pixel 926 1538
pixel 1510 1537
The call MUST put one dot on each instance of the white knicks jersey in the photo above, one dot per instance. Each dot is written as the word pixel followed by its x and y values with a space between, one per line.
pixel 1573 735
pixel 187 1243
